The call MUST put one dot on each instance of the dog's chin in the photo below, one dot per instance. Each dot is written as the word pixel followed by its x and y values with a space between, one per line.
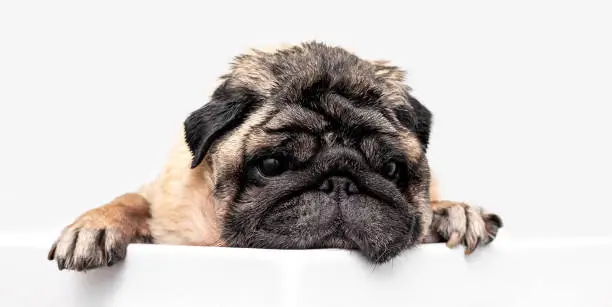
pixel 377 230
pixel 374 251
pixel 367 246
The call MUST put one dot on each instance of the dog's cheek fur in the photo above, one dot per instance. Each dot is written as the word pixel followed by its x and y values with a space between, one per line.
pixel 227 157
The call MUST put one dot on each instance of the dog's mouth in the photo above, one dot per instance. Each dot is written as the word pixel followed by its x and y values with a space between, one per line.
pixel 378 228
pixel 339 237
pixel 378 246
pixel 332 235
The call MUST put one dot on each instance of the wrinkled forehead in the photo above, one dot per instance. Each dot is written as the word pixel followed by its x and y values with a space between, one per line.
pixel 321 92
pixel 302 130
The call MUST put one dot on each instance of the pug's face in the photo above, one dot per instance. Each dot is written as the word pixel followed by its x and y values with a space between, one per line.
pixel 313 147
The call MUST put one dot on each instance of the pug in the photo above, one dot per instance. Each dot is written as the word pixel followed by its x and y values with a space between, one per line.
pixel 301 147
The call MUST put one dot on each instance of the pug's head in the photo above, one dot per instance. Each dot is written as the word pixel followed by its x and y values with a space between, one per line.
pixel 313 147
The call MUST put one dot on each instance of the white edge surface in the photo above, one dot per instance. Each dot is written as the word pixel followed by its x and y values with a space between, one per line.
pixel 537 272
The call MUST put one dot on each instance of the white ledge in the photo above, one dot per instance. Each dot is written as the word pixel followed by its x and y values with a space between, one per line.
pixel 546 272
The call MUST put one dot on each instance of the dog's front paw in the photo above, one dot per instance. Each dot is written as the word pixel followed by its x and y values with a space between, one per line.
pixel 458 223
pixel 100 236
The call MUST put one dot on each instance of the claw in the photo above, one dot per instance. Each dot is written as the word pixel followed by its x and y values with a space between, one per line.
pixel 60 264
pixel 470 249
pixel 491 237
pixel 110 261
pixel 51 254
pixel 453 240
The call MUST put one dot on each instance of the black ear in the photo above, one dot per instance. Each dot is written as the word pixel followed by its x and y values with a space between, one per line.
pixel 227 109
pixel 423 121
pixel 417 118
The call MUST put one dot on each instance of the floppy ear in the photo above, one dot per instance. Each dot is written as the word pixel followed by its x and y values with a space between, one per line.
pixel 413 116
pixel 226 110
pixel 423 121
pixel 417 118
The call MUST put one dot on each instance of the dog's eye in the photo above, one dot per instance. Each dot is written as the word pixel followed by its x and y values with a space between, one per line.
pixel 271 167
pixel 390 170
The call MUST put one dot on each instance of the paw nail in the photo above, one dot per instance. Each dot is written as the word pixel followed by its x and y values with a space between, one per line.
pixel 111 260
pixel 453 240
pixel 471 247
pixel 60 264
pixel 51 254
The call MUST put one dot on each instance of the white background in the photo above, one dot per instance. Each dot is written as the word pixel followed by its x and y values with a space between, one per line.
pixel 93 94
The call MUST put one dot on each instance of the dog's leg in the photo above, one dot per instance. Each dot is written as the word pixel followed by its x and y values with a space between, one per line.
pixel 100 236
pixel 458 223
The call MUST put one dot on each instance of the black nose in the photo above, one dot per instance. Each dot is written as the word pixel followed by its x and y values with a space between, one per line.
pixel 339 185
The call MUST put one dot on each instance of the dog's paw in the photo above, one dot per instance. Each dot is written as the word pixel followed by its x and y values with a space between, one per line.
pixel 100 236
pixel 458 223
